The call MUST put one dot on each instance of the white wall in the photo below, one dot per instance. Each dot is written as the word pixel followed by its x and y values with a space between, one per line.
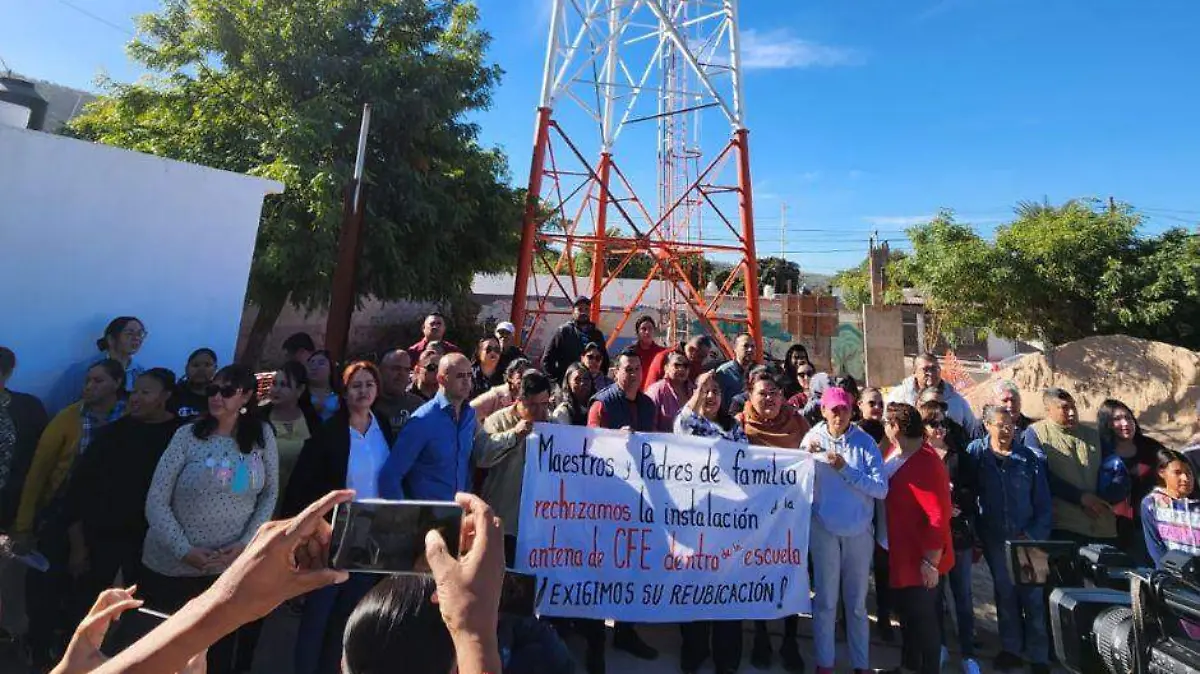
pixel 89 232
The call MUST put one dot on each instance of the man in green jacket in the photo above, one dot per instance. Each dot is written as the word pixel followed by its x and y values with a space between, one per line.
pixel 1073 459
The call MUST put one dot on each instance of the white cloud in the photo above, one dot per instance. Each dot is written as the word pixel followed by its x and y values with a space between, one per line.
pixel 898 220
pixel 781 49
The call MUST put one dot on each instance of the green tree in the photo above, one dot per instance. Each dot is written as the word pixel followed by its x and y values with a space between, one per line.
pixel 275 88
pixel 1055 274
pixel 855 283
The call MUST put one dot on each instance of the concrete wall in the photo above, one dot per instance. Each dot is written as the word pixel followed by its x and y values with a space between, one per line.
pixel 378 325
pixel 883 338
pixel 90 232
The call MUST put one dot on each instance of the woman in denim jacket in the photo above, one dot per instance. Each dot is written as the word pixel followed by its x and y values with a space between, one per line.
pixel 1014 503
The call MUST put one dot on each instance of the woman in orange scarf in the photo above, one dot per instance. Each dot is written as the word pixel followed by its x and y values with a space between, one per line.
pixel 770 422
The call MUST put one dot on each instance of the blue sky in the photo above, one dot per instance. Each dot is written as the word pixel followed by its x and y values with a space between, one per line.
pixel 864 114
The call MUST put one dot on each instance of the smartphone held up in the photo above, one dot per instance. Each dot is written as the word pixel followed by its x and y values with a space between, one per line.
pixel 386 537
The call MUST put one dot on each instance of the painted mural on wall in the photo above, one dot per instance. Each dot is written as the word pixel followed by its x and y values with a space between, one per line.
pixel 847 352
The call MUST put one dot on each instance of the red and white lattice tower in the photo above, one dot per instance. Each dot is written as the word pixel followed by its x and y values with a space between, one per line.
pixel 630 85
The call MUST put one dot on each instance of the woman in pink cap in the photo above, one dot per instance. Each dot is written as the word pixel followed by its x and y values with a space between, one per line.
pixel 849 479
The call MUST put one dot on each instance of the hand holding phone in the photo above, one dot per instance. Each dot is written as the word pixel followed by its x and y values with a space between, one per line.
pixel 388 537
pixel 469 588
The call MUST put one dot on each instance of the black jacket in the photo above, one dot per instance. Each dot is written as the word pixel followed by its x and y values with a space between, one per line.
pixel 29 417
pixel 566 347
pixel 964 486
pixel 322 465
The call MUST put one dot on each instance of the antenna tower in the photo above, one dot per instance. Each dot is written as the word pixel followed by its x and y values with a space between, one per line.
pixel 627 85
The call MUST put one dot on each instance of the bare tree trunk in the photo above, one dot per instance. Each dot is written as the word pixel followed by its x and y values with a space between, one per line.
pixel 264 322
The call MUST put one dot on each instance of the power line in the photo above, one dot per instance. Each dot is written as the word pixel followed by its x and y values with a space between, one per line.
pixel 95 17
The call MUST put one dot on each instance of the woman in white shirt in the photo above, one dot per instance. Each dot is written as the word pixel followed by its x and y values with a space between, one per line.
pixel 346 453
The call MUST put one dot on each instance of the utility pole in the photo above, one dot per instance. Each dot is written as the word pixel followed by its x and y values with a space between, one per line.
pixel 877 258
pixel 783 230
pixel 341 301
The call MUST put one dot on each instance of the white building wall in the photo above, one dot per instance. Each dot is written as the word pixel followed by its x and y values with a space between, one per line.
pixel 89 232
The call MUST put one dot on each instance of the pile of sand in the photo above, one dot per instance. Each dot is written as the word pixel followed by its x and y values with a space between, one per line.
pixel 1159 382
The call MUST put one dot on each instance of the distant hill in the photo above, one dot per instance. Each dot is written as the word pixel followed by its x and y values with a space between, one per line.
pixel 815 281
pixel 65 102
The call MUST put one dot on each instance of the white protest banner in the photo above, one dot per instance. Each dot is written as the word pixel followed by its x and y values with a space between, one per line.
pixel 650 527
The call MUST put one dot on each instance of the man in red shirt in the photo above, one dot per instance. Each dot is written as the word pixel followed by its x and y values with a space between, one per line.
pixel 433 330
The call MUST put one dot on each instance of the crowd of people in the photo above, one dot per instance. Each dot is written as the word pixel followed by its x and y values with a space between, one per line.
pixel 178 485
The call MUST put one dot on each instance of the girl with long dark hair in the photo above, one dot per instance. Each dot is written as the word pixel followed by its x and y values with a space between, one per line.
pixel 1120 434
pixel 796 356
pixel 322 384
pixel 291 414
pixel 1170 515
pixel 574 397
pixel 215 485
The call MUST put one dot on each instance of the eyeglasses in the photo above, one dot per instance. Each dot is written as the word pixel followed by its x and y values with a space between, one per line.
pixel 491 349
pixel 226 391
pixel 431 367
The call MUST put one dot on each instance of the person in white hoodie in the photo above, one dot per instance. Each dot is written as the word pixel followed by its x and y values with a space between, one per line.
pixel 927 372
pixel 849 479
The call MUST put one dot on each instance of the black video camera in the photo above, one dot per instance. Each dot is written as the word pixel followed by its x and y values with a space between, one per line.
pixel 1108 616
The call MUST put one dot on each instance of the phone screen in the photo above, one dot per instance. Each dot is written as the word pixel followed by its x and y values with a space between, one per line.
pixel 374 536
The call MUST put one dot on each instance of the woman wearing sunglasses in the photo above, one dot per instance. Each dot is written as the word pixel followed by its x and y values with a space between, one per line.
pixel 214 486
pixel 963 489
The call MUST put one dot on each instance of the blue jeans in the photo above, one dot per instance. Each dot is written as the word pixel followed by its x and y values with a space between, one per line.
pixel 959 582
pixel 1017 606
pixel 841 562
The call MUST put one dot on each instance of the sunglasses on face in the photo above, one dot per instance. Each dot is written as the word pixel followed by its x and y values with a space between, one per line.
pixel 491 349
pixel 227 391
pixel 937 424
pixel 431 367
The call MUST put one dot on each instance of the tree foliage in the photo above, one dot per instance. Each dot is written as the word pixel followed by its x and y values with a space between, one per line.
pixel 275 88
pixel 855 283
pixel 1056 274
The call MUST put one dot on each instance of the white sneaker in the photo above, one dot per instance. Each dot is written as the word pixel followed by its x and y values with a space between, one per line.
pixel 969 666
pixel 943 659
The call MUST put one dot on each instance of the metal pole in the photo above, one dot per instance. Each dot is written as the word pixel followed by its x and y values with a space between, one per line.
pixel 599 251
pixel 342 297
pixel 529 224
pixel 746 207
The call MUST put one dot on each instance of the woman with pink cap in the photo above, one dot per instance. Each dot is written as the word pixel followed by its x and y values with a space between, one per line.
pixel 849 479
